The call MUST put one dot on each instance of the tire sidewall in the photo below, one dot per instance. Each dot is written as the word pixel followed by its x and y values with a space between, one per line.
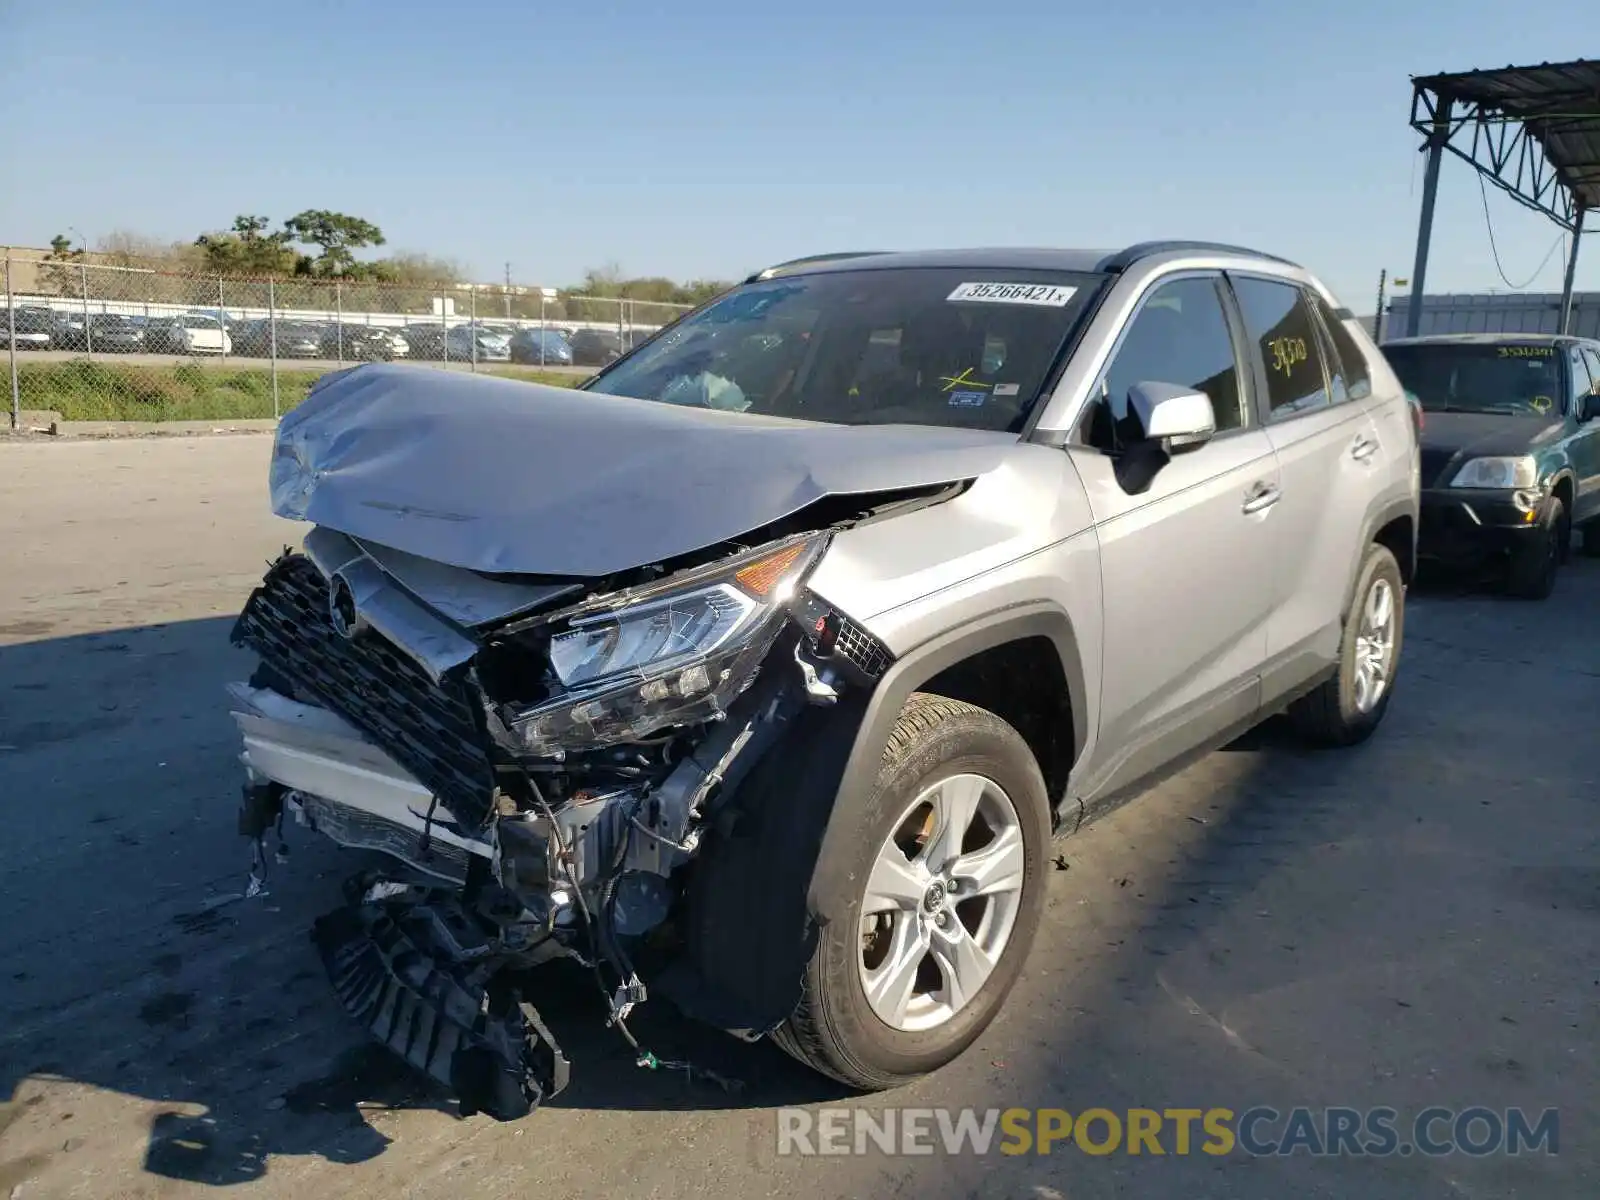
pixel 1379 563
pixel 974 742
pixel 1534 575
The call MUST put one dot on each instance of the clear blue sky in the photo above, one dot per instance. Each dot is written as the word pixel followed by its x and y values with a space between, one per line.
pixel 708 138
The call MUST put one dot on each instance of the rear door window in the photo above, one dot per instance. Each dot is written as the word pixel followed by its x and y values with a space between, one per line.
pixel 1278 320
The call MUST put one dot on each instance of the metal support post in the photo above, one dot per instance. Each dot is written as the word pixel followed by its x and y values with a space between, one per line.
pixel 1572 269
pixel 222 319
pixel 88 334
pixel 1430 192
pixel 11 342
pixel 272 343
pixel 472 309
pixel 338 315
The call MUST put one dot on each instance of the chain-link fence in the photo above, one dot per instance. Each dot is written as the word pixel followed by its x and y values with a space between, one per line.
pixel 99 341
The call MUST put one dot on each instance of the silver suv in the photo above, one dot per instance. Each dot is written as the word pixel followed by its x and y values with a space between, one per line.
pixel 759 672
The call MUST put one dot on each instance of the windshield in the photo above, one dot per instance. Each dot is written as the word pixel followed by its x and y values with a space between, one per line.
pixel 966 347
pixel 1514 379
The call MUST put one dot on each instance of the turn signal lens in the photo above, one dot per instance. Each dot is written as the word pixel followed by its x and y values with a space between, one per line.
pixel 759 578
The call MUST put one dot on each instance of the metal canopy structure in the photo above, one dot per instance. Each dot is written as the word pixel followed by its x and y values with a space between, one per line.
pixel 1533 132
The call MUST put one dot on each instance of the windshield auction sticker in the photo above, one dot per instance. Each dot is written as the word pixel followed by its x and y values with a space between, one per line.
pixel 1048 295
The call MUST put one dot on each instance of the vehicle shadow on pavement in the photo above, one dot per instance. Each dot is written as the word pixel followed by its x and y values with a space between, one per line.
pixel 132 966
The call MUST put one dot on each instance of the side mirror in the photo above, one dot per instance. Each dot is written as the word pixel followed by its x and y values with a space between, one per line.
pixel 1179 418
pixel 1591 407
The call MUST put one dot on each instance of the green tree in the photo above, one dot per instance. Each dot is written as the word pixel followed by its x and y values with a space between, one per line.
pixel 59 278
pixel 249 249
pixel 337 235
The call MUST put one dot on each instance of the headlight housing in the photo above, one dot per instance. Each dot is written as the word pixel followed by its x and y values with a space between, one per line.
pixel 1502 474
pixel 675 653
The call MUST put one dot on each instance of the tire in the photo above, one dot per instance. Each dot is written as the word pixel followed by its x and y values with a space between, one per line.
pixel 835 1029
pixel 1534 567
pixel 1335 714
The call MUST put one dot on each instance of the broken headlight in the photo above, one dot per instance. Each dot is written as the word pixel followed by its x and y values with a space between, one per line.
pixel 676 653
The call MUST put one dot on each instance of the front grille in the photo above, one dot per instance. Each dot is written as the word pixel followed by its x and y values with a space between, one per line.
pixel 430 729
pixel 1433 464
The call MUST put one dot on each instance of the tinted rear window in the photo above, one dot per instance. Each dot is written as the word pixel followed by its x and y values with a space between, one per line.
pixel 1510 378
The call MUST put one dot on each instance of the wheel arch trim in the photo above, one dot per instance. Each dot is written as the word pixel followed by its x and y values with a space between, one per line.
pixel 906 675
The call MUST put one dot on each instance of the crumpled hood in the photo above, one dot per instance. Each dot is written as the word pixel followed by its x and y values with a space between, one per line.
pixel 497 475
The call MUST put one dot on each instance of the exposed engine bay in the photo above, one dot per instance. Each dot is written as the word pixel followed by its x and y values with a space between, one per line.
pixel 543 758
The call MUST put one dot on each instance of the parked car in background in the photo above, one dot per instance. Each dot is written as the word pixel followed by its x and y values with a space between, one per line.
pixel 1510 450
pixel 542 347
pixel 425 340
pixel 480 343
pixel 69 331
pixel 397 342
pixel 190 333
pixel 595 347
pixel 289 339
pixel 357 343
pixel 114 333
pixel 27 328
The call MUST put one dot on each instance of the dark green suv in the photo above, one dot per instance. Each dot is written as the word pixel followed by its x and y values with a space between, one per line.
pixel 1510 450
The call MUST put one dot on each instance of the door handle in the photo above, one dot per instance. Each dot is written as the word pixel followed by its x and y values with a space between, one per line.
pixel 1260 498
pixel 1363 448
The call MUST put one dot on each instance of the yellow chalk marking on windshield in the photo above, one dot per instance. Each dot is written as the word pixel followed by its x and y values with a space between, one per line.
pixel 963 380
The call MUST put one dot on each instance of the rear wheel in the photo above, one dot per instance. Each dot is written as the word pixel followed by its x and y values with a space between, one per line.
pixel 1347 708
pixel 949 886
pixel 1534 567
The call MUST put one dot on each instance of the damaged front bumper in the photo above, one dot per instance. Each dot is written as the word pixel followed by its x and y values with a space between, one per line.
pixel 341 785
pixel 548 806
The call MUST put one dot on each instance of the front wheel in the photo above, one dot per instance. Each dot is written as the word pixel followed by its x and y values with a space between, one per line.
pixel 1347 708
pixel 948 890
pixel 1534 567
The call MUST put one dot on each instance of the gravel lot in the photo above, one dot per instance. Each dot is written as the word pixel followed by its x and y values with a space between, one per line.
pixel 1415 922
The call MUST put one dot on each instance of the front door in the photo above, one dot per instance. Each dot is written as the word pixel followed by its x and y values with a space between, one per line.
pixel 1186 563
pixel 1585 444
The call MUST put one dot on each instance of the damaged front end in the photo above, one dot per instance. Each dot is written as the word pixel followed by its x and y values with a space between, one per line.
pixel 545 757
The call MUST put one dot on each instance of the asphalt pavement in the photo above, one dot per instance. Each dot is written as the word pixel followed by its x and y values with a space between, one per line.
pixel 1414 922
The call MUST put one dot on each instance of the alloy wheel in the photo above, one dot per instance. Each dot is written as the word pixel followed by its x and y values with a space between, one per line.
pixel 941 902
pixel 1375 645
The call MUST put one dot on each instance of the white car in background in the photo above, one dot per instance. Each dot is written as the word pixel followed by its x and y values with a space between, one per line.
pixel 190 333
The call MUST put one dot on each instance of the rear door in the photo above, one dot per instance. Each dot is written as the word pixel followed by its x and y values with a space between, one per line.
pixel 1186 562
pixel 1331 459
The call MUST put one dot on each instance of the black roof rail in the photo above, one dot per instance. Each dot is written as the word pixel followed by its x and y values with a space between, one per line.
pixel 1125 258
pixel 778 268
